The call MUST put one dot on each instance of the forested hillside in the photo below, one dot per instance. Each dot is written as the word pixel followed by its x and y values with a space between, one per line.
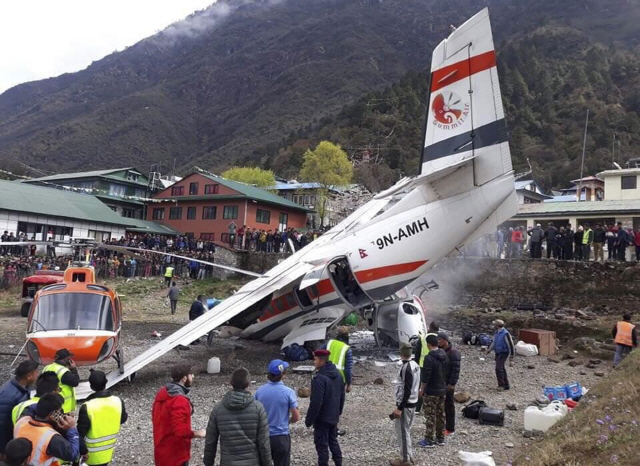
pixel 257 81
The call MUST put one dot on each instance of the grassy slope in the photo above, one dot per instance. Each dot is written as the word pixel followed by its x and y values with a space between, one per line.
pixel 604 429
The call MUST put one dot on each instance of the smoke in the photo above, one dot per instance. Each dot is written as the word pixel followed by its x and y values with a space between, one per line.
pixel 210 18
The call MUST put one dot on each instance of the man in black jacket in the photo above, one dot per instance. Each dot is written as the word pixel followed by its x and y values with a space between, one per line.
pixel 551 234
pixel 453 373
pixel 325 408
pixel 13 392
pixel 433 390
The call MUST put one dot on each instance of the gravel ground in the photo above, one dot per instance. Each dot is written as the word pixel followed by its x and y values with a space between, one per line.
pixel 370 438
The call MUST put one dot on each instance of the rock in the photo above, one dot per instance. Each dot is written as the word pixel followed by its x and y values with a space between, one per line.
pixel 580 314
pixel 598 374
pixel 378 381
pixel 591 366
pixel 461 397
pixel 509 445
pixel 583 373
pixel 568 356
pixel 553 359
pixel 595 361
pixel 527 434
pixel 574 363
pixel 304 392
pixel 560 316
pixel 537 433
pixel 512 407
pixel 531 366
pixel 238 346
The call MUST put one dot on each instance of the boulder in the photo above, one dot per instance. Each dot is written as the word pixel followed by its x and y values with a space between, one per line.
pixel 553 359
pixel 574 363
pixel 462 397
pixel 378 381
pixel 512 407
pixel 598 374
pixel 304 392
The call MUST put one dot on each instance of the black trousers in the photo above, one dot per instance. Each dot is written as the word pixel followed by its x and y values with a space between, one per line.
pixel 280 449
pixel 501 371
pixel 536 249
pixel 325 437
pixel 450 411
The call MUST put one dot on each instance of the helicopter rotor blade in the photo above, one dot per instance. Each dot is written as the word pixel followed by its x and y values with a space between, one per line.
pixel 127 249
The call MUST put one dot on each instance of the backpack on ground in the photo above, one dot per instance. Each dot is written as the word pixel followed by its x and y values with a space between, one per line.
pixel 484 340
pixel 491 416
pixel 472 410
pixel 467 338
pixel 295 352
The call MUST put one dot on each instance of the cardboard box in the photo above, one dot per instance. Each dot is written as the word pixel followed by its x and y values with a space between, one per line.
pixel 545 340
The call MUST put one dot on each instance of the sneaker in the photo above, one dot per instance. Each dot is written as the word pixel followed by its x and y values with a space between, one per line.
pixel 424 443
pixel 506 388
pixel 449 432
pixel 440 442
pixel 340 432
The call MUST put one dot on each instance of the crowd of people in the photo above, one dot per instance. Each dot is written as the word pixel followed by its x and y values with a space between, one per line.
pixel 269 241
pixel 588 242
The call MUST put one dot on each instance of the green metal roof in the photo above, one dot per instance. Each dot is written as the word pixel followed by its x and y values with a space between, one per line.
pixel 92 174
pixel 585 207
pixel 119 200
pixel 155 228
pixel 206 197
pixel 40 200
pixel 254 193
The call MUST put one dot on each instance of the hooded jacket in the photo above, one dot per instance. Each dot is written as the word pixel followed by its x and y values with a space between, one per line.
pixel 434 373
pixel 240 422
pixel 171 417
pixel 327 396
pixel 11 394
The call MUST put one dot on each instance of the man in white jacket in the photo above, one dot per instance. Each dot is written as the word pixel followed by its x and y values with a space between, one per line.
pixel 407 385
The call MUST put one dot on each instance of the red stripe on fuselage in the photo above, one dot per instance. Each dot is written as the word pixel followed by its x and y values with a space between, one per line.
pixel 463 69
pixel 379 273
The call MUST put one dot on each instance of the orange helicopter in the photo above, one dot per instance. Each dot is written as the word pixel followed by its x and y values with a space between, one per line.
pixel 77 314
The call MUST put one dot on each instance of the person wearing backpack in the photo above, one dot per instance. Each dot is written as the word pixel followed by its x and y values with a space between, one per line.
pixel 502 344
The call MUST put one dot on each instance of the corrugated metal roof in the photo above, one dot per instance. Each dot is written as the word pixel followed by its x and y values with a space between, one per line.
pixel 254 193
pixel 40 200
pixel 155 228
pixel 569 208
pixel 89 174
pixel 290 186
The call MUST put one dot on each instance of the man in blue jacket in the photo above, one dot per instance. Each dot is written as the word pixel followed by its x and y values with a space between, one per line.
pixel 502 344
pixel 325 408
pixel 13 392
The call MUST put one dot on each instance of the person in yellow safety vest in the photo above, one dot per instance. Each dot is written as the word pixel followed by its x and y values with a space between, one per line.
pixel 587 239
pixel 17 452
pixel 47 383
pixel 53 434
pixel 99 422
pixel 168 274
pixel 422 350
pixel 624 334
pixel 65 369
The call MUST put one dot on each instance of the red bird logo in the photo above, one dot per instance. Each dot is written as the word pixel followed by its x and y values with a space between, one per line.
pixel 447 108
pixel 363 253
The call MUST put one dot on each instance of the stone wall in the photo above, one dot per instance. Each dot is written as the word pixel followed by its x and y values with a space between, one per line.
pixel 507 283
pixel 245 260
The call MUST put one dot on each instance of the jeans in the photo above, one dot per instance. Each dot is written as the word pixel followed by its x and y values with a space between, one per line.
pixel 280 449
pixel 501 371
pixel 622 351
pixel 174 306
pixel 325 437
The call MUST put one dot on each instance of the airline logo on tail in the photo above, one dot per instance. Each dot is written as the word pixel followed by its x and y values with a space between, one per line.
pixel 449 110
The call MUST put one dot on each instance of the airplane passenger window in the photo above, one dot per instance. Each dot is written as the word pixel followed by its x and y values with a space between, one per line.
pixel 409 309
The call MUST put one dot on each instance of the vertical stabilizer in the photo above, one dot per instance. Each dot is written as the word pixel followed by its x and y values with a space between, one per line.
pixel 465 115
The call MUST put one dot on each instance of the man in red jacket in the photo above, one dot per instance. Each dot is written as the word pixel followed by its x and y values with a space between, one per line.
pixel 171 417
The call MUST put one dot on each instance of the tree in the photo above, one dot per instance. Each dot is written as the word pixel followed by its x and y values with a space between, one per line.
pixel 329 166
pixel 251 175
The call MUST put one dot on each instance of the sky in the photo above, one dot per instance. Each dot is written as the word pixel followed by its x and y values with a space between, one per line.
pixel 40 39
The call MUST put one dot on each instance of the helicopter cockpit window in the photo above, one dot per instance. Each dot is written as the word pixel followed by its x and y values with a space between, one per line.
pixel 73 311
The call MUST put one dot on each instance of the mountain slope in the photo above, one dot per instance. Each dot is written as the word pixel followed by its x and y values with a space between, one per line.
pixel 232 82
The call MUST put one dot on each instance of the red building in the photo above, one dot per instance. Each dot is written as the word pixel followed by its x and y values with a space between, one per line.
pixel 203 206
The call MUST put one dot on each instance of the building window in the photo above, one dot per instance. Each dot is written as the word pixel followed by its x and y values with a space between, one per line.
pixel 177 191
pixel 230 212
pixel 298 198
pixel 190 235
pixel 208 236
pixel 175 213
pixel 101 236
pixel 282 222
pixel 191 213
pixel 211 188
pixel 629 182
pixel 224 237
pixel 128 213
pixel 209 213
pixel 117 190
pixel 193 189
pixel 158 214
pixel 140 193
pixel 263 216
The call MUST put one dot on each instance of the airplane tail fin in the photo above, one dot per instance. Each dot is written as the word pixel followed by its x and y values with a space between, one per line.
pixel 465 116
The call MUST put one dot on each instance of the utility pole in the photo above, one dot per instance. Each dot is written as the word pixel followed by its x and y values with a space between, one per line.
pixel 613 151
pixel 584 148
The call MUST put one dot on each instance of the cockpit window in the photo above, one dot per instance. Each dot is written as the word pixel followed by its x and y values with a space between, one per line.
pixel 73 311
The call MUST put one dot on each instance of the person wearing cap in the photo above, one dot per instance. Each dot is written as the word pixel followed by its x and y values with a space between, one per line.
pixel 502 344
pixel 12 393
pixel 241 424
pixel 171 419
pixel 47 383
pixel 65 368
pixel 99 421
pixel 281 405
pixel 325 408
pixel 421 350
pixel 433 388
pixel 452 376
pixel 407 385
pixel 52 433
pixel 17 452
